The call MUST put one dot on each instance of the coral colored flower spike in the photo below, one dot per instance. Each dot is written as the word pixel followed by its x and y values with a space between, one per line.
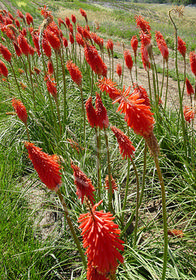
pixel 101 240
pixel 125 145
pixel 75 73
pixel 91 113
pixel 192 57
pixel 20 110
pixel 83 184
pixel 46 166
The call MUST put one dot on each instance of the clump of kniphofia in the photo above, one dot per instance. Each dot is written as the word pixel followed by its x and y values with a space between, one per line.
pixel 20 110
pixel 3 69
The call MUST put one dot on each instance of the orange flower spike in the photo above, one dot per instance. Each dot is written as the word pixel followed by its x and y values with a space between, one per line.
pixel 73 18
pixel 46 47
pixel 101 112
pixel 75 73
pixel 35 38
pixel 51 86
pixel 162 45
pixel 71 38
pixel 50 67
pixel 65 42
pixel 109 87
pixel 145 57
pixel 83 184
pixel 53 40
pixel 128 59
pixel 3 69
pixel 67 21
pixel 119 69
pixel 20 110
pixel 143 24
pixel 189 87
pixel 192 57
pixel 23 44
pixel 188 114
pixel 101 240
pixel 60 21
pixel 83 13
pixel 20 14
pixel 29 18
pixel 110 46
pixel 134 44
pixel 79 39
pixel 47 166
pixel 91 113
pixel 181 47
pixel 17 49
pixel 5 53
pixel 125 145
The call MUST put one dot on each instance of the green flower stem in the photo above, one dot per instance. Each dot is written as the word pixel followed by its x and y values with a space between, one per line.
pixel 164 215
pixel 98 164
pixel 126 189
pixel 64 87
pixel 31 80
pixel 184 77
pixel 137 202
pixel 27 132
pixel 76 240
pixel 16 82
pixel 135 58
pixel 109 173
pixel 58 114
pixel 167 83
pixel 84 115
pixel 149 84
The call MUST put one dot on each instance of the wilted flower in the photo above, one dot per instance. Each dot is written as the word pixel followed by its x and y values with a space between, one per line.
pixel 175 232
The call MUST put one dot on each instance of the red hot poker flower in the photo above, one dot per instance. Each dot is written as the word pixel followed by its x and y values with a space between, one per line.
pixel 101 112
pixel 181 47
pixel 17 49
pixel 20 110
pixel 192 57
pixel 188 114
pixel 109 87
pixel 73 18
pixel 134 44
pixel 47 166
pixel 29 18
pixel 91 113
pixel 83 184
pixel 189 87
pixel 74 72
pixel 94 60
pixel 71 38
pixel 79 39
pixel 50 67
pixel 3 69
pixel 110 46
pixel 143 24
pixel 162 45
pixel 101 239
pixel 51 86
pixel 5 53
pixel 46 47
pixel 67 21
pixel 137 114
pixel 145 57
pixel 142 94
pixel 83 13
pixel 23 44
pixel 128 59
pixel 125 145
pixel 93 274
pixel 65 42
pixel 119 69
pixel 53 40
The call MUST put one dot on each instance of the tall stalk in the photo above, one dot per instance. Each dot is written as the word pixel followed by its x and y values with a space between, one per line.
pixel 98 163
pixel 76 240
